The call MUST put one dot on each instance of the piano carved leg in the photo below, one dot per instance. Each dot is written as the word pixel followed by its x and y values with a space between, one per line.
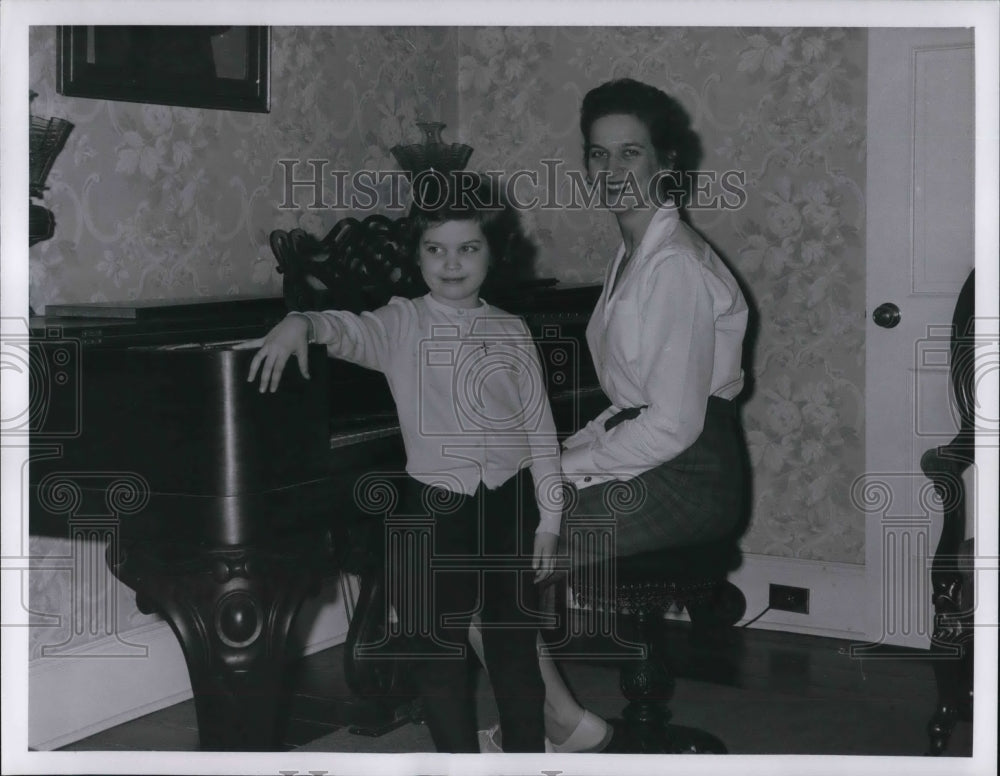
pixel 231 609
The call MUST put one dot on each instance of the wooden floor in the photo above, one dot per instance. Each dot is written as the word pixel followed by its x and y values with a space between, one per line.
pixel 749 661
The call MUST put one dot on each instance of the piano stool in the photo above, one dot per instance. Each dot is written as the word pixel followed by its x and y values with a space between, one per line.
pixel 644 588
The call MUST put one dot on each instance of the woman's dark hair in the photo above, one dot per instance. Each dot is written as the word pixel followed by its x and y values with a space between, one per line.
pixel 677 146
pixel 464 195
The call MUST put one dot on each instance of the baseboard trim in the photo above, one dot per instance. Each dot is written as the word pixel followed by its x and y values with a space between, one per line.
pixel 77 695
pixel 74 696
pixel 834 592
pixel 836 595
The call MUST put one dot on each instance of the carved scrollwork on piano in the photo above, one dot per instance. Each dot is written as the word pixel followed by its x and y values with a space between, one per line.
pixel 358 265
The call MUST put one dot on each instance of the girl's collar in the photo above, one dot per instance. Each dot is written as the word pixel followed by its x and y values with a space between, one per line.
pixel 456 312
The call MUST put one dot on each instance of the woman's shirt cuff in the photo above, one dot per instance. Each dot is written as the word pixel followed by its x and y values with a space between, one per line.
pixel 590 432
pixel 579 468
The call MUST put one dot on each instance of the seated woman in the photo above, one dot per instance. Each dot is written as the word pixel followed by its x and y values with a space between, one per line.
pixel 666 340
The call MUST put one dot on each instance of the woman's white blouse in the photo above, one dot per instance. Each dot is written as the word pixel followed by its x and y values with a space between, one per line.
pixel 667 337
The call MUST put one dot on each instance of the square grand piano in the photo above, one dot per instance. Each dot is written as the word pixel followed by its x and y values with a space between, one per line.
pixel 230 506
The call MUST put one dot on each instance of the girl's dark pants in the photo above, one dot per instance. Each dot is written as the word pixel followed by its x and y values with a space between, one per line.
pixel 472 536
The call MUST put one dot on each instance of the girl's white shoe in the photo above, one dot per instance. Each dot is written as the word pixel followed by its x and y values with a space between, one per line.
pixel 488 740
pixel 592 734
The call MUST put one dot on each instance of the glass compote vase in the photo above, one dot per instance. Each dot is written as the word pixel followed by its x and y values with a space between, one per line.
pixel 433 153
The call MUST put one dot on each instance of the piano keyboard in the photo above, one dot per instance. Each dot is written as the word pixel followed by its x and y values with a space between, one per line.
pixel 199 346
pixel 346 438
pixel 340 439
pixel 561 396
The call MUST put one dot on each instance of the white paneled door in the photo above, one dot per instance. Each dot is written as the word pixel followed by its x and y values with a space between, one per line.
pixel 920 249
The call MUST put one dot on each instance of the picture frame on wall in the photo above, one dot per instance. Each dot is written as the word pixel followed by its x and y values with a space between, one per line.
pixel 225 68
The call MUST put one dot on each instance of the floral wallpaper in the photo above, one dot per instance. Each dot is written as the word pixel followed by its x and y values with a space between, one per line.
pixel 153 201
pixel 164 202
pixel 786 107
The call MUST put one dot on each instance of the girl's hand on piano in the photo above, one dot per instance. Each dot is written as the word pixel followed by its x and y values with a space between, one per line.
pixel 288 338
pixel 544 560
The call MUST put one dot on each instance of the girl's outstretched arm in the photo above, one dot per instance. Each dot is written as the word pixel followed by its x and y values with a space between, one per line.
pixel 366 339
pixel 288 338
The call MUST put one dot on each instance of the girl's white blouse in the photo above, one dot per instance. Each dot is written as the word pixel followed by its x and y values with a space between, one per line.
pixel 469 392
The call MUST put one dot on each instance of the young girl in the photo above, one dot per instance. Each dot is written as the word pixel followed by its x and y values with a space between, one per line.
pixel 482 458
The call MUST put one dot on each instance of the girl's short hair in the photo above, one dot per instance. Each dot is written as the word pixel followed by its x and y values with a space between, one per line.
pixel 677 146
pixel 464 195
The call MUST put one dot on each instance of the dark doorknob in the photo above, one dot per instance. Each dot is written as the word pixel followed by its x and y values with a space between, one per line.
pixel 886 315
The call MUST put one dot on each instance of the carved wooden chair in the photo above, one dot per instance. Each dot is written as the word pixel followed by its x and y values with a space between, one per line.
pixel 951 570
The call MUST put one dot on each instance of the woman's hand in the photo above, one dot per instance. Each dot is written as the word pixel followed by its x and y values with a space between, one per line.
pixel 544 560
pixel 290 337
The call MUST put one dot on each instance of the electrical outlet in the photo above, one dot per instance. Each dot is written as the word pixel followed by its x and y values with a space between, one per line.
pixel 789 599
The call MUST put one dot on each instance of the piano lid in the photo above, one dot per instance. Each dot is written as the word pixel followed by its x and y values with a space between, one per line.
pixel 186 420
pixel 158 309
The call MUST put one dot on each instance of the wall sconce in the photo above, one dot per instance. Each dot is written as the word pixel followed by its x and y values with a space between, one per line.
pixel 46 139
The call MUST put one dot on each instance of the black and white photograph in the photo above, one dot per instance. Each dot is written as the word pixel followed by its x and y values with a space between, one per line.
pixel 548 388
